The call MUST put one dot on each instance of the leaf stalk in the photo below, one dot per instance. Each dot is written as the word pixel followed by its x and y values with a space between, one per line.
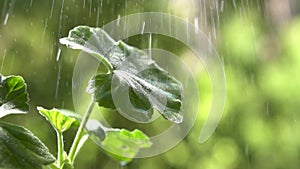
pixel 60 148
pixel 80 131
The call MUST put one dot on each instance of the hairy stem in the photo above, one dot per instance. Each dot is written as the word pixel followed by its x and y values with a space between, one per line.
pixel 80 131
pixel 60 148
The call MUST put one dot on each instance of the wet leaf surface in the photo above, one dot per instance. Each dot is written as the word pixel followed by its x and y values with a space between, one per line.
pixel 134 74
pixel 20 149
pixel 13 95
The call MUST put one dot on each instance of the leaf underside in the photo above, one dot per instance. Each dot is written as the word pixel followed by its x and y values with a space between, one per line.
pixel 121 144
pixel 146 85
pixel 13 95
pixel 20 149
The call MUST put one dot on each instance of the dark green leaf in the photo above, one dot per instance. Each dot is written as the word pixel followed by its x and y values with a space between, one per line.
pixel 13 95
pixel 102 93
pixel 147 85
pixel 20 149
pixel 61 120
pixel 120 144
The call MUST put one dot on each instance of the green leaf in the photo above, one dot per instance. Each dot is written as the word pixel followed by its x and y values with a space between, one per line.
pixel 99 45
pixel 13 95
pixel 124 145
pixel 20 149
pixel 71 114
pixel 147 85
pixel 120 144
pixel 61 120
pixel 102 93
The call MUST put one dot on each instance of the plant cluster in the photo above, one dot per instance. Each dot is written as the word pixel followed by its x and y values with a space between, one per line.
pixel 150 89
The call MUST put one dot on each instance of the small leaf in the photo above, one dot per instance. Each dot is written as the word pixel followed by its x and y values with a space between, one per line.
pixel 147 85
pixel 71 114
pixel 120 144
pixel 20 149
pixel 124 145
pixel 13 95
pixel 60 120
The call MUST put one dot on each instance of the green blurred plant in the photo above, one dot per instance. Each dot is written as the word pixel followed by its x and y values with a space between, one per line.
pixel 26 151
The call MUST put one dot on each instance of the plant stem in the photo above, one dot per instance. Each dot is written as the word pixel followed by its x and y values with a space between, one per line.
pixel 80 131
pixel 60 148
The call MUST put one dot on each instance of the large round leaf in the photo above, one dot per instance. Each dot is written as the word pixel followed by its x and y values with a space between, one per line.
pixel 147 85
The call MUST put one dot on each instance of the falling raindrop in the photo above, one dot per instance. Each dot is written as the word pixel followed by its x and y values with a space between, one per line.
pixel 3 60
pixel 258 6
pixel 187 28
pixel 58 54
pixel 196 24
pixel 246 150
pixel 4 7
pixel 91 3
pixel 248 6
pixel 234 4
pixel 118 20
pixel 214 32
pixel 6 18
pixel 218 13
pixel 267 111
pixel 222 6
pixel 51 53
pixel 150 45
pixel 143 28
pixel 98 15
pixel 52 6
pixel 60 17
pixel 58 79
pixel 204 13
pixel 12 61
pixel 44 32
pixel 11 6
pixel 170 24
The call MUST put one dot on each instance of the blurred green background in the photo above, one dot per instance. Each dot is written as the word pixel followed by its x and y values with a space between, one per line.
pixel 258 40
